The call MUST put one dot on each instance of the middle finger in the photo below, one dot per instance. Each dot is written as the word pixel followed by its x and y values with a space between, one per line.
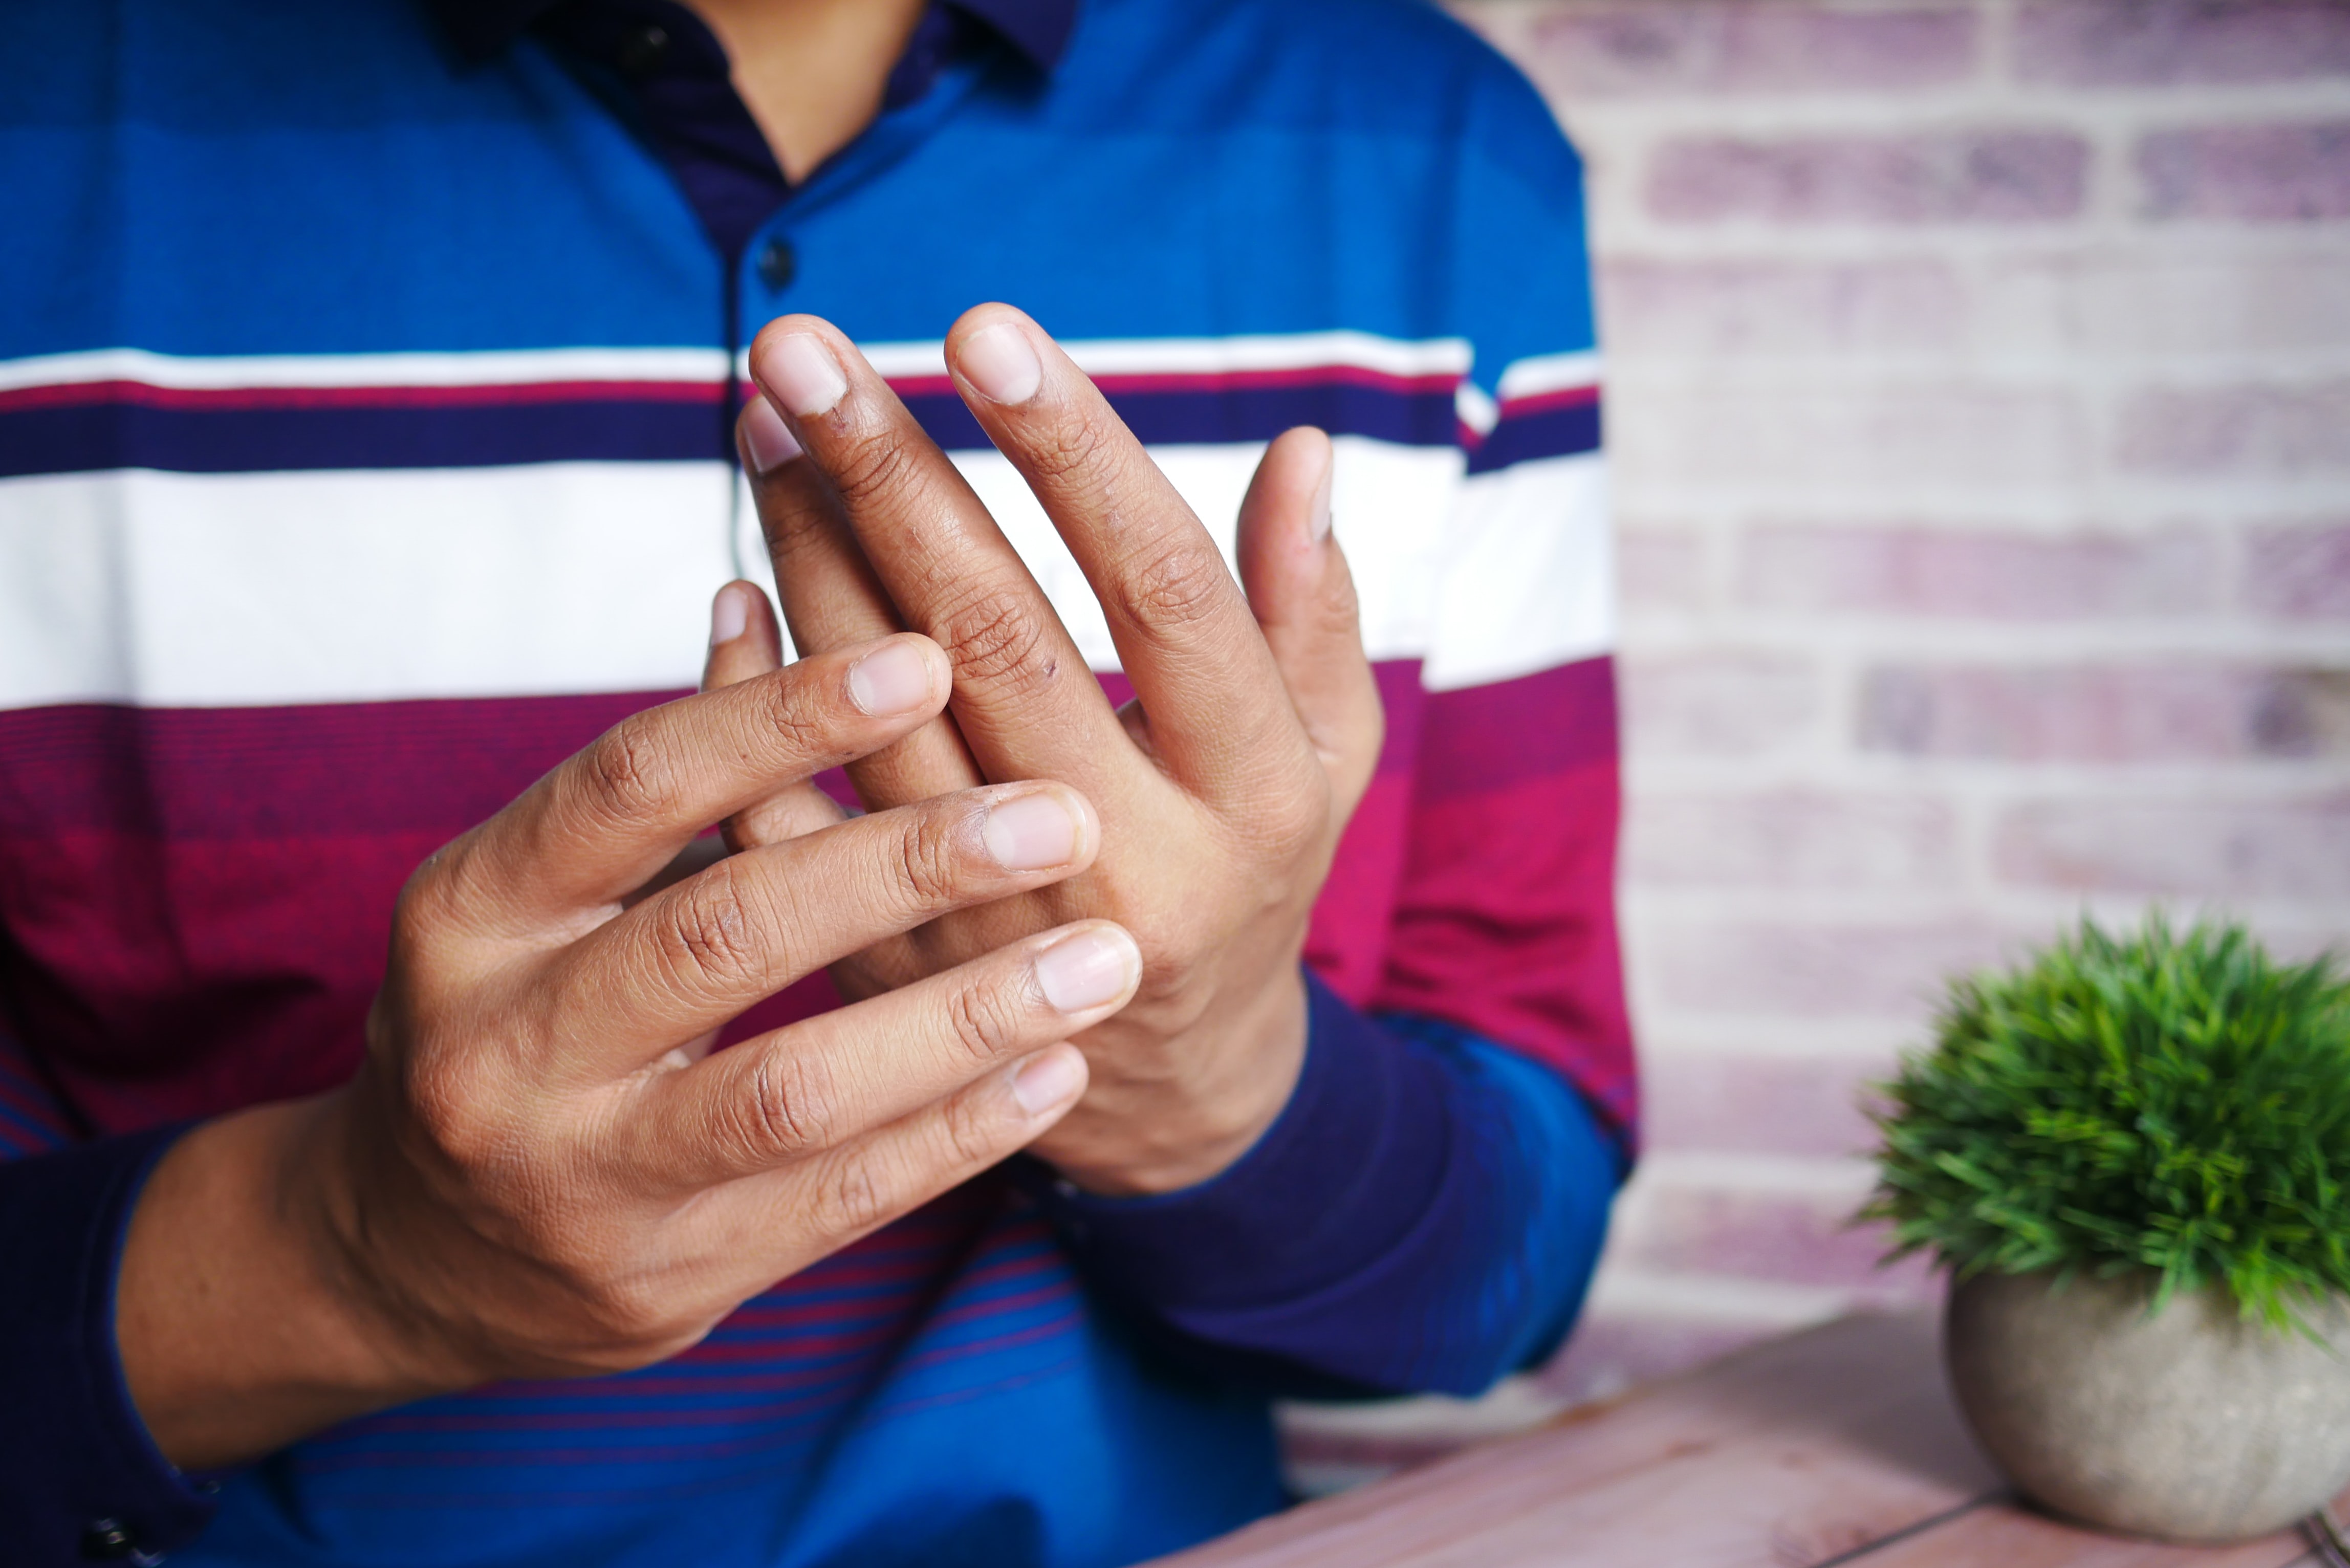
pixel 1024 698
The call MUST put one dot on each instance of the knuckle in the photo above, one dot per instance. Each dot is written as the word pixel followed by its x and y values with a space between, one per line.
pixel 793 710
pixel 996 637
pixel 1080 448
pixel 634 1312
pixel 1296 819
pixel 927 861
pixel 791 1110
pixel 968 1132
pixel 858 1194
pixel 984 1019
pixel 627 774
pixel 869 465
pixel 459 1105
pixel 1180 585
pixel 707 930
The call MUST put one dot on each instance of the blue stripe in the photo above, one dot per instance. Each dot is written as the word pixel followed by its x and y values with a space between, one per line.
pixel 1554 433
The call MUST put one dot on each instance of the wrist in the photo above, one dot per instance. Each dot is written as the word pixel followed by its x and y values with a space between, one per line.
pixel 360 1249
pixel 235 1335
pixel 1193 1127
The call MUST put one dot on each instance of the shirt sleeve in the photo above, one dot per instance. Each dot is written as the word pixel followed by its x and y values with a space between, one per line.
pixel 1423 1216
pixel 79 1477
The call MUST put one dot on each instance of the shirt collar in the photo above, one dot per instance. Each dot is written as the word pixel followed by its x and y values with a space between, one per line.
pixel 1038 29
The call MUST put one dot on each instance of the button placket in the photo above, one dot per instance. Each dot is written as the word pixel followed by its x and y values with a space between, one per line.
pixel 777 263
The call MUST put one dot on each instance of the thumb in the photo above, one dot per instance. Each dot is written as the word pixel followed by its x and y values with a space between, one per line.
pixel 1303 595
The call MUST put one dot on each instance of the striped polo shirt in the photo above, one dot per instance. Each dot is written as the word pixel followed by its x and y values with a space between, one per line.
pixel 366 389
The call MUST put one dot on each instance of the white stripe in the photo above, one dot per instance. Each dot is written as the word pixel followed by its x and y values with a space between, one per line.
pixel 1528 576
pixel 1209 356
pixel 1388 503
pixel 173 589
pixel 201 590
pixel 1102 357
pixel 1474 408
pixel 1549 373
pixel 504 367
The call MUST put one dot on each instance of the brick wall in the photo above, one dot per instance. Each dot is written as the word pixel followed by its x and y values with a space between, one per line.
pixel 1979 393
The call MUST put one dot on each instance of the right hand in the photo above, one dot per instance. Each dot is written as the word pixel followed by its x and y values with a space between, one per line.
pixel 541 1169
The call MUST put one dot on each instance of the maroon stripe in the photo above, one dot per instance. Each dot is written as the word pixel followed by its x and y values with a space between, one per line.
pixel 1545 402
pixel 940 1354
pixel 226 400
pixel 1440 382
pixel 1482 738
pixel 298 772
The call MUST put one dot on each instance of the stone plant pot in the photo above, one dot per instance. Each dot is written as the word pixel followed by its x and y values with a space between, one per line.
pixel 2192 1425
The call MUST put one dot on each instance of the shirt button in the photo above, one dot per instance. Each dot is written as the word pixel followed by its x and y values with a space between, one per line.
pixel 778 264
pixel 106 1540
pixel 642 49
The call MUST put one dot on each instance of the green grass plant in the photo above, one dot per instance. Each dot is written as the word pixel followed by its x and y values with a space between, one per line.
pixel 2151 1100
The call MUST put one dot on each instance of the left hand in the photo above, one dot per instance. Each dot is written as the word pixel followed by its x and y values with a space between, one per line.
pixel 1222 788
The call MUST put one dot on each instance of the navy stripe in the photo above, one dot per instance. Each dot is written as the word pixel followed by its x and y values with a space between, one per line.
pixel 93 437
pixel 82 438
pixel 1175 418
pixel 1562 431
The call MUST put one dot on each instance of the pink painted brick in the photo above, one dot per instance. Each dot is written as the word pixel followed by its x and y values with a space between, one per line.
pixel 1791 838
pixel 2239 430
pixel 1902 436
pixel 1948 572
pixel 1795 967
pixel 1660 567
pixel 2151 301
pixel 2206 848
pixel 2179 712
pixel 2164 43
pixel 1795 1106
pixel 1712 309
pixel 1725 704
pixel 1785 1238
pixel 2298 571
pixel 1981 176
pixel 2254 173
pixel 1688 47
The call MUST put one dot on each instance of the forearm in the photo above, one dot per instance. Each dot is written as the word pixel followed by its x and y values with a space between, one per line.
pixel 1424 1217
pixel 237 1332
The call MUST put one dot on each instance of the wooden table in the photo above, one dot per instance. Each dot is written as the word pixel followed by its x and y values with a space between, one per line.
pixel 1839 1446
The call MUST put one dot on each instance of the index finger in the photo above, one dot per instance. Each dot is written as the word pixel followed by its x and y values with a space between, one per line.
pixel 604 820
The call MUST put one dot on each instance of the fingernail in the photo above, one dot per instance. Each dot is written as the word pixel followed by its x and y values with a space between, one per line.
pixel 1318 524
pixel 767 443
pixel 1048 1080
pixel 1031 832
pixel 1001 362
pixel 890 680
pixel 1087 970
pixel 730 613
pixel 800 373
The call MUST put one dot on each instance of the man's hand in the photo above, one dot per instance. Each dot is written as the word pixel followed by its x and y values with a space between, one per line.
pixel 541 1169
pixel 1222 788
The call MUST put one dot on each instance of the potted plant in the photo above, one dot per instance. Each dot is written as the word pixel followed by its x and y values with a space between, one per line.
pixel 2133 1153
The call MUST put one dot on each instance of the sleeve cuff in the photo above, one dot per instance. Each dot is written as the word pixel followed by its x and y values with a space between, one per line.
pixel 79 1477
pixel 1346 1171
